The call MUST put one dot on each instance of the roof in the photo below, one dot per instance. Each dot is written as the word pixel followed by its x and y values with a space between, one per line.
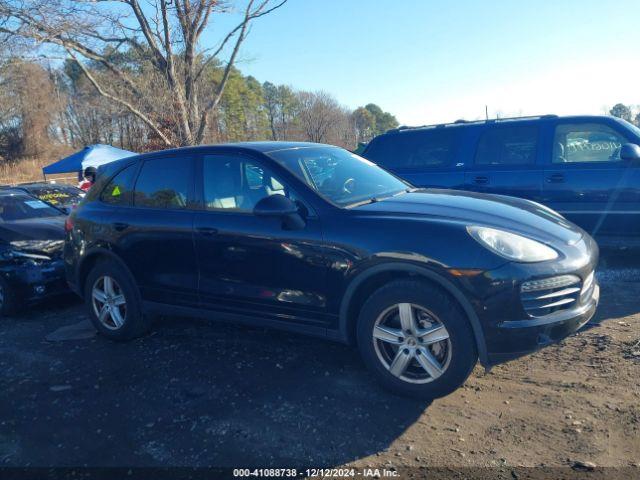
pixel 265 147
pixel 35 184
pixel 457 123
pixel 261 147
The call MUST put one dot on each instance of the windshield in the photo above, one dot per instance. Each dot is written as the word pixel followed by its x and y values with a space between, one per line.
pixel 24 207
pixel 56 195
pixel 339 176
pixel 635 129
pixel 628 126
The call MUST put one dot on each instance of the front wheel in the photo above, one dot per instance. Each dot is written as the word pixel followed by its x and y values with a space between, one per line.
pixel 416 340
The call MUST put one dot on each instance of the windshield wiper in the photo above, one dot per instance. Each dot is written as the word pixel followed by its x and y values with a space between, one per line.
pixel 366 201
pixel 379 198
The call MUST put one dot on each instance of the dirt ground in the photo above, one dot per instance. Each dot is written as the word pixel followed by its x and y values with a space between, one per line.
pixel 201 394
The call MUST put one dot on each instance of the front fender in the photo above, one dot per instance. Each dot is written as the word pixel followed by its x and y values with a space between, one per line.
pixel 344 324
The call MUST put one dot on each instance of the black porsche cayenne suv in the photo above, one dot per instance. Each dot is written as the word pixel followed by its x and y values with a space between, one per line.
pixel 314 239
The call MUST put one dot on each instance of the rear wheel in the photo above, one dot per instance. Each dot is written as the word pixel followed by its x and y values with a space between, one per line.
pixel 113 301
pixel 416 339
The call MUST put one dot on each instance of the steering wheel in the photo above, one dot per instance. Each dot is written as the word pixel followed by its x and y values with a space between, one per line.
pixel 349 185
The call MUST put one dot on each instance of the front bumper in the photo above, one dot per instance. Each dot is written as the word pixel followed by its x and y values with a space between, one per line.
pixel 513 339
pixel 33 281
pixel 516 322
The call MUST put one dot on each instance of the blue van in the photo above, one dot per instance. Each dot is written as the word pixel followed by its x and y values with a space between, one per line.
pixel 585 167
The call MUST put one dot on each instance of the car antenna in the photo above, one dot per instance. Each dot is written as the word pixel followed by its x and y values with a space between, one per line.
pixel 486 112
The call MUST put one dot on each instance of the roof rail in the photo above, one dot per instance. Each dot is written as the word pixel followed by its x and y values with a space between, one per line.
pixel 469 122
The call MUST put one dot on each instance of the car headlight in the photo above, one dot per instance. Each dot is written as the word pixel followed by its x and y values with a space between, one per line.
pixel 512 246
pixel 32 249
pixel 11 254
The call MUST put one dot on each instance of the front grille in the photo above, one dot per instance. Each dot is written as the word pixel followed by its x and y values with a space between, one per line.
pixel 550 295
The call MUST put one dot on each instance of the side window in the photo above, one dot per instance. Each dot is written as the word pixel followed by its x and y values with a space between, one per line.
pixel 163 183
pixel 507 146
pixel 237 184
pixel 586 142
pixel 119 191
pixel 415 150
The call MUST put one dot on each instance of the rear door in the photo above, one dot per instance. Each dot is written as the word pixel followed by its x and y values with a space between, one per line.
pixel 506 160
pixel 153 229
pixel 423 157
pixel 587 182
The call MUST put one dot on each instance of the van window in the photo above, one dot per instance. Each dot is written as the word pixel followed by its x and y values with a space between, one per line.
pixel 120 189
pixel 163 183
pixel 586 142
pixel 508 146
pixel 414 150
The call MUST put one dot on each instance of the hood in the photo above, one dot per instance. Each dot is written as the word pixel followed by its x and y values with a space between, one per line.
pixel 507 213
pixel 41 235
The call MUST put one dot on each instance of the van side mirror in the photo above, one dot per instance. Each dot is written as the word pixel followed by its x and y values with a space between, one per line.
pixel 630 152
pixel 281 207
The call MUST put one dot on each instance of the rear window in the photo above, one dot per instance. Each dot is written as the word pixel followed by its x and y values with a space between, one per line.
pixel 414 150
pixel 56 195
pixel 508 146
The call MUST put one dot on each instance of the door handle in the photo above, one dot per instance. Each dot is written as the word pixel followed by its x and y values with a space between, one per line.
pixel 119 226
pixel 555 178
pixel 481 180
pixel 207 231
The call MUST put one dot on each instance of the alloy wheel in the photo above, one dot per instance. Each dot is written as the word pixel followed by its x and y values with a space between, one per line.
pixel 109 303
pixel 412 343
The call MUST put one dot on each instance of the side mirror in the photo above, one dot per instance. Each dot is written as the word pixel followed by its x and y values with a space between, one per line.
pixel 281 207
pixel 630 152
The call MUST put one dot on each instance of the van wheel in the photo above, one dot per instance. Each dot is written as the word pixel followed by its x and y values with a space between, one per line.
pixel 113 301
pixel 416 339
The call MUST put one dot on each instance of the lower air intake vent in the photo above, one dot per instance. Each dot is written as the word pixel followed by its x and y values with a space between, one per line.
pixel 549 295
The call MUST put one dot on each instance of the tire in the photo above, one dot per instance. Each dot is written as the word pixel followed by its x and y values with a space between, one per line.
pixel 130 322
pixel 8 301
pixel 430 308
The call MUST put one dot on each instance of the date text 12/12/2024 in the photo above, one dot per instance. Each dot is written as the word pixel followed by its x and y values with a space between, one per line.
pixel 315 472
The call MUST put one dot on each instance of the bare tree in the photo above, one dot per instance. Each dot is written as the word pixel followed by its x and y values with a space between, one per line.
pixel 319 114
pixel 281 106
pixel 35 93
pixel 26 109
pixel 10 114
pixel 165 86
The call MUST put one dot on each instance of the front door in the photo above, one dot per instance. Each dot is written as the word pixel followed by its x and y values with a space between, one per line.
pixel 588 183
pixel 251 265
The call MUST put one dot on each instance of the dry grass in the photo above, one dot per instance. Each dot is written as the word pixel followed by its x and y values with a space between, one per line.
pixel 22 171
pixel 30 169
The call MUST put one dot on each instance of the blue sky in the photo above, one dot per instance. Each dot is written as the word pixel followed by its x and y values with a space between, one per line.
pixel 433 61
